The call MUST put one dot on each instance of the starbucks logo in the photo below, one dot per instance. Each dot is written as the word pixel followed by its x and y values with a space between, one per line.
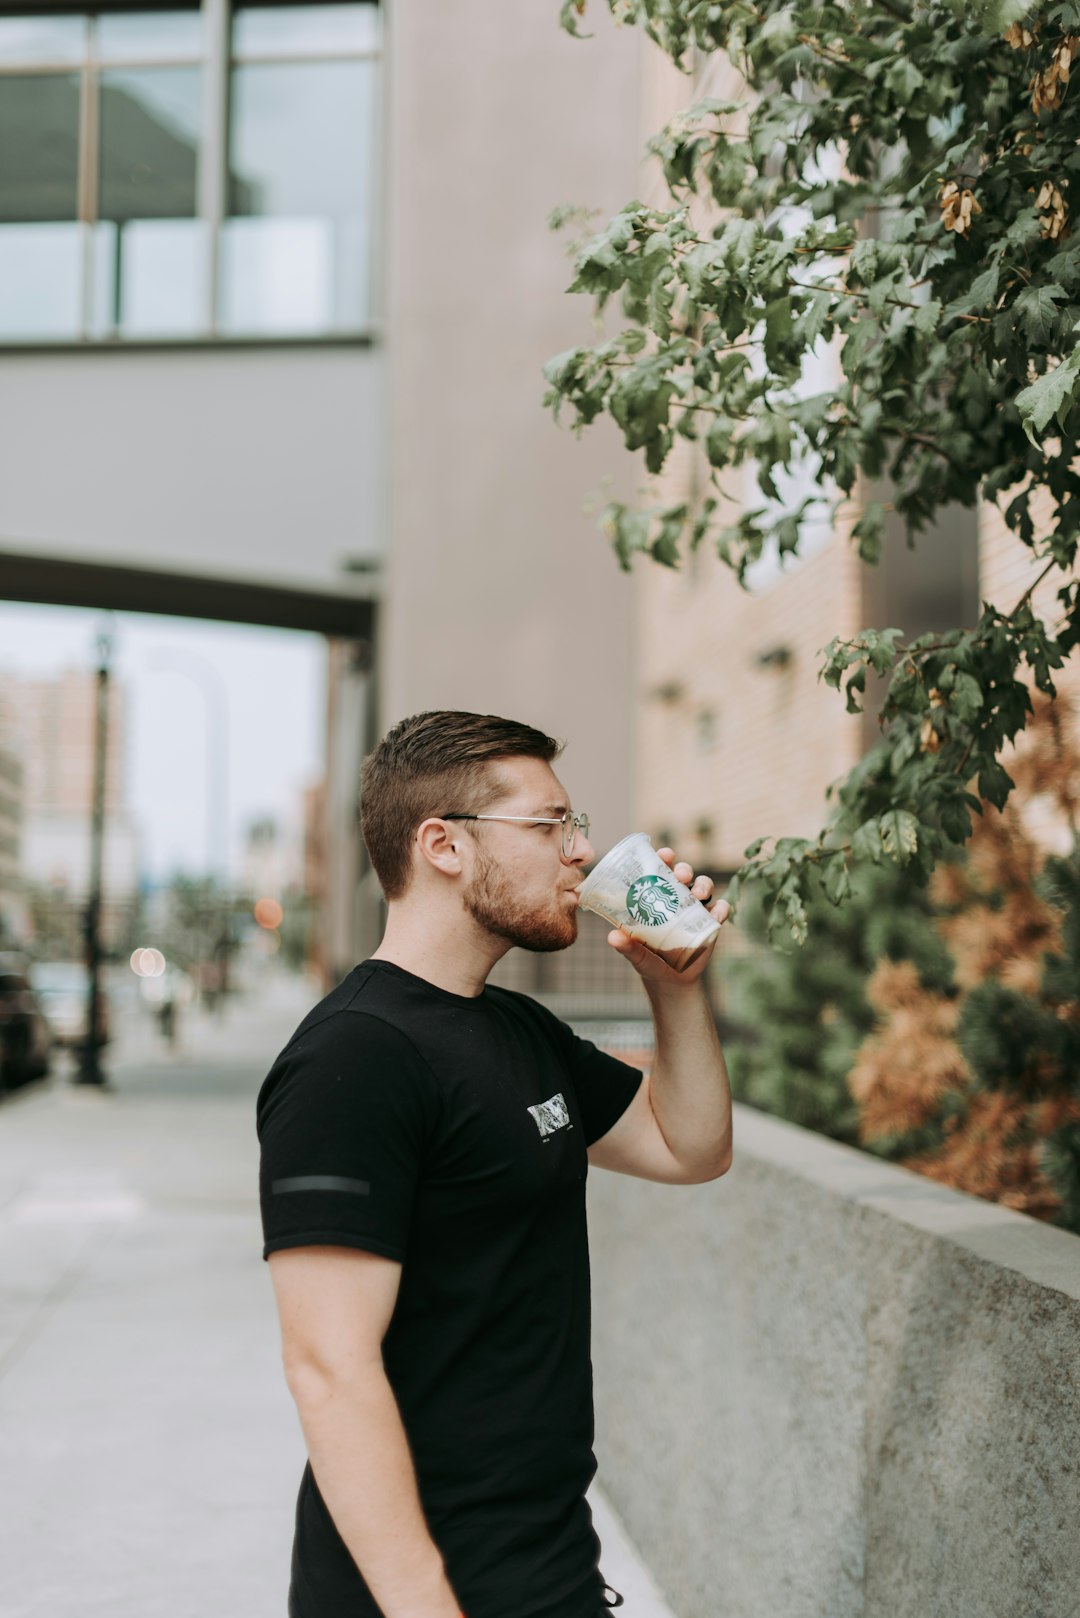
pixel 652 900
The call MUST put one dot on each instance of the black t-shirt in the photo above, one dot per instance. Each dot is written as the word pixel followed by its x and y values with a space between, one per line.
pixel 449 1133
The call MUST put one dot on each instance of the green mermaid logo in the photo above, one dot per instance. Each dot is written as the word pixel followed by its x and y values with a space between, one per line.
pixel 652 900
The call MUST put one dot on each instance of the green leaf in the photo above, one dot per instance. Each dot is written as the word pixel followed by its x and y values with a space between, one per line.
pixel 837 879
pixel 979 296
pixel 780 30
pixel 899 834
pixel 1050 396
pixel 869 531
pixel 997 15
pixel 569 13
pixel 903 80
pixel 966 697
pixel 1036 309
pixel 857 682
pixel 866 842
pixel 995 783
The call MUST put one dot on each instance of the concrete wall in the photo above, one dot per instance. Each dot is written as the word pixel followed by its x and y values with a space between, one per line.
pixel 829 1388
pixel 502 596
pixel 256 463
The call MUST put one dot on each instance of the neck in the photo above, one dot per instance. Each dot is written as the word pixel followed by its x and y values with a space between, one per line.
pixel 451 952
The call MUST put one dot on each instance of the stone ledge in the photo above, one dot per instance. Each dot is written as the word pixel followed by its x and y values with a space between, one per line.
pixel 1043 1254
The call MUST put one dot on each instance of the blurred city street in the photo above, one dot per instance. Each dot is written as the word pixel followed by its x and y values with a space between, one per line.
pixel 151 1454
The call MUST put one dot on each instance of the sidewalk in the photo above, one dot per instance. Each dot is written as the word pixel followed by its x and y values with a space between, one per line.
pixel 150 1449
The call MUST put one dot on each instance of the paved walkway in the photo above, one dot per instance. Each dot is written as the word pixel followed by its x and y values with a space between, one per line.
pixel 149 1452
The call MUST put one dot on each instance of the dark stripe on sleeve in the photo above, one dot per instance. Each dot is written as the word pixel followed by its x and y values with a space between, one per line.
pixel 321 1182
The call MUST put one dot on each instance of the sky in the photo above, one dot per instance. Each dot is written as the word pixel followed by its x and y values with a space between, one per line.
pixel 269 684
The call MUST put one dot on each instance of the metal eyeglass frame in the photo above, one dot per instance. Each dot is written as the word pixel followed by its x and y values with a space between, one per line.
pixel 569 822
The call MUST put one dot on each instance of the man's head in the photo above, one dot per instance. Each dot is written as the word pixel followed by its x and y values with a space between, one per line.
pixel 419 789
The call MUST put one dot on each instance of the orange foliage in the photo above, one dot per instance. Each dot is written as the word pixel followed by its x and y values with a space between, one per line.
pixel 996 927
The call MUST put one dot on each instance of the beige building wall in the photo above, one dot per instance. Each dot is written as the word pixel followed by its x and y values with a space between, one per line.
pixel 501 594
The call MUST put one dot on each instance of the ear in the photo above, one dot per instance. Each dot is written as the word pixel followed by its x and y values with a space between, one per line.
pixel 440 846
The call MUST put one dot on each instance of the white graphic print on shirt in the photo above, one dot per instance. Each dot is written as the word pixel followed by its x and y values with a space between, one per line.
pixel 549 1116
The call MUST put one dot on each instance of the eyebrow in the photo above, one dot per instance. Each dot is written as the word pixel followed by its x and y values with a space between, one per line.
pixel 552 809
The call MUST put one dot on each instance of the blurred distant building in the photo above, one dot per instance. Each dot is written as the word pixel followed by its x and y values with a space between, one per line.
pixel 273 858
pixel 314 813
pixel 57 719
pixel 12 922
pixel 54 721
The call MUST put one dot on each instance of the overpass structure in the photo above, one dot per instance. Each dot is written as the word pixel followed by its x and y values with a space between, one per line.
pixel 335 425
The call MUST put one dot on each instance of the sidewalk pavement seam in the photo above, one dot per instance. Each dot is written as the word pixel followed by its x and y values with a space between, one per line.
pixel 57 1294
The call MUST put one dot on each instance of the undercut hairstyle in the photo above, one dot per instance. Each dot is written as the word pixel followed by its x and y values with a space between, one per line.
pixel 443 762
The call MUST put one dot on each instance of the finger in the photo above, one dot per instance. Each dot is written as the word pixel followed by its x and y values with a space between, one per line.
pixel 683 873
pixel 667 855
pixel 703 888
pixel 721 910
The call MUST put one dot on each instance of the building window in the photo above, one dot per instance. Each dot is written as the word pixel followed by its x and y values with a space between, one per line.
pixel 707 726
pixel 188 173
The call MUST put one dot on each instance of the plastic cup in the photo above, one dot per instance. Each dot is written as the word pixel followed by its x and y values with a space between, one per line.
pixel 632 888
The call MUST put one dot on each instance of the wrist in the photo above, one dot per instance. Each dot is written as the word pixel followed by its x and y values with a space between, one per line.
pixel 673 991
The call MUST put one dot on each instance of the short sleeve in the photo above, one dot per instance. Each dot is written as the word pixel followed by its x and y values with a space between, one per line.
pixel 344 1118
pixel 604 1086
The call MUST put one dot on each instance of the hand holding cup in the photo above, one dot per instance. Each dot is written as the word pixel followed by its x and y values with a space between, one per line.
pixel 657 907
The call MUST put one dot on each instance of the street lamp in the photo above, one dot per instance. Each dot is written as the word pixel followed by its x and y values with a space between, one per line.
pixel 89 1069
pixel 207 679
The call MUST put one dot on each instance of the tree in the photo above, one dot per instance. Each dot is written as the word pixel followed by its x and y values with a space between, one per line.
pixel 896 179
pixel 977 1082
pixel 799 1017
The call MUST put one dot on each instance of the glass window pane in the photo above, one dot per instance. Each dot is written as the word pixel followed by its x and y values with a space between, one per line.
pixel 149 143
pixel 39 147
pixel 148 36
pixel 302 138
pixel 150 251
pixel 277 276
pixel 296 252
pixel 40 281
pixel 42 39
pixel 305 30
pixel 151 277
pixel 41 245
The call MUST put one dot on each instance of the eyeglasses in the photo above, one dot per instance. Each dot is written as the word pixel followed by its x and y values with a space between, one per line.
pixel 571 824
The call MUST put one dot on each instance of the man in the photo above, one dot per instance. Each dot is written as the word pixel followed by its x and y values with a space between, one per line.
pixel 425 1142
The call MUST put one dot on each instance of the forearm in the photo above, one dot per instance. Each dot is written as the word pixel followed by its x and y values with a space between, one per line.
pixel 362 1463
pixel 688 1083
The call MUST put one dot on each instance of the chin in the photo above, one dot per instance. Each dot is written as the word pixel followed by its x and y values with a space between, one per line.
pixel 561 936
pixel 543 935
pixel 491 901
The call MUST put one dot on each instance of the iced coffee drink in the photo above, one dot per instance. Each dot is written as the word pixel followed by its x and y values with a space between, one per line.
pixel 633 889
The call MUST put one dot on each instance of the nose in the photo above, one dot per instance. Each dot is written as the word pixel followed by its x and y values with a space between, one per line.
pixel 582 852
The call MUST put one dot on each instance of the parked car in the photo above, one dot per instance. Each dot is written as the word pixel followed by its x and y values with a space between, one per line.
pixel 63 988
pixel 25 1037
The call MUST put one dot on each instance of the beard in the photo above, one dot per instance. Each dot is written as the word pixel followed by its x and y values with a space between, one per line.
pixel 492 901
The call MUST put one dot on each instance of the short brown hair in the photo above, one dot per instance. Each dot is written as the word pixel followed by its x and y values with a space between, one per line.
pixel 439 762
